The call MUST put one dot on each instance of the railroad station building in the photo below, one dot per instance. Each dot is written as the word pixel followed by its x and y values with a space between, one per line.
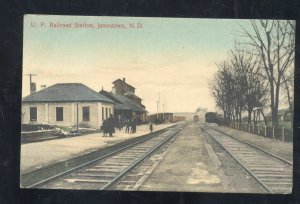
pixel 126 104
pixel 125 89
pixel 124 108
pixel 66 104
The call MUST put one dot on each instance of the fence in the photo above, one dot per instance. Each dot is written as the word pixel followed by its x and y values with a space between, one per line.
pixel 279 133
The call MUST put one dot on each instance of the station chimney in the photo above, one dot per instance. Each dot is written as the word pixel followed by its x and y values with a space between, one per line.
pixel 32 85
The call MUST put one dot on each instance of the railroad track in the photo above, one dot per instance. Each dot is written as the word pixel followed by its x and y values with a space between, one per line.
pixel 272 172
pixel 105 172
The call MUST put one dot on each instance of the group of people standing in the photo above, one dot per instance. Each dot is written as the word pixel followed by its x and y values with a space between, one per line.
pixel 109 125
pixel 130 126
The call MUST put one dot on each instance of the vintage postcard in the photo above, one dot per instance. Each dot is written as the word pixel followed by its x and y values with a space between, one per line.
pixel 157 104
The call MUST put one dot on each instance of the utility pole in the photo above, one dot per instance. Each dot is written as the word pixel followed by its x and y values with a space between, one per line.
pixel 30 83
pixel 163 112
pixel 159 105
pixel 156 112
pixel 158 101
pixel 77 124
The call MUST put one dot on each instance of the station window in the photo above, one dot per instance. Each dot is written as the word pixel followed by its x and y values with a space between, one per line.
pixel 106 112
pixel 86 113
pixel 59 114
pixel 33 113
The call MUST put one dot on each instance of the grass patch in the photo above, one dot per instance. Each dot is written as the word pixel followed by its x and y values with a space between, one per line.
pixel 64 128
pixel 285 124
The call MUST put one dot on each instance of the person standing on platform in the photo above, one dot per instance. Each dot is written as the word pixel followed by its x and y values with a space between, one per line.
pixel 127 126
pixel 104 128
pixel 133 126
pixel 151 127
pixel 119 122
pixel 110 125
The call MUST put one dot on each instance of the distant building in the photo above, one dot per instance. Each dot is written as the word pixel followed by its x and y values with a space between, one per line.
pixel 189 116
pixel 178 119
pixel 66 104
pixel 161 118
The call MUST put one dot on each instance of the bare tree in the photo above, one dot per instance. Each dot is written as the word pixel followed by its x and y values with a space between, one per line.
pixel 250 85
pixel 238 85
pixel 288 85
pixel 274 42
pixel 222 90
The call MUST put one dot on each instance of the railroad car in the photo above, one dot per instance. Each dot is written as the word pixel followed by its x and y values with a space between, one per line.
pixel 211 117
pixel 196 118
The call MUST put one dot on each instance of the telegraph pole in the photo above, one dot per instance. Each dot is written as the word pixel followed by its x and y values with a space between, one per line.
pixel 159 114
pixel 77 118
pixel 156 112
pixel 158 101
pixel 163 112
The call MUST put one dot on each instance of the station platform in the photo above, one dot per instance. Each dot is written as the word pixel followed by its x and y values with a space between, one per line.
pixel 41 154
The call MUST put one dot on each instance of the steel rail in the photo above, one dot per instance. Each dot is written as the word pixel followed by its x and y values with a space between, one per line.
pixel 238 161
pixel 45 181
pixel 271 154
pixel 129 168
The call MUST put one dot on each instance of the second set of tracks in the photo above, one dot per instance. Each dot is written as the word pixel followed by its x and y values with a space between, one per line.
pixel 104 173
pixel 272 172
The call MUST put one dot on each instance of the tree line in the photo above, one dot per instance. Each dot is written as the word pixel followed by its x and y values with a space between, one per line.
pixel 258 73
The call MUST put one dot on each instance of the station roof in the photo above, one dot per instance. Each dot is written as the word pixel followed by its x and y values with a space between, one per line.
pixel 66 92
pixel 122 102
pixel 130 93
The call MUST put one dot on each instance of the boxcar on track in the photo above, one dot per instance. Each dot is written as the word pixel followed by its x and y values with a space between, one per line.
pixel 211 117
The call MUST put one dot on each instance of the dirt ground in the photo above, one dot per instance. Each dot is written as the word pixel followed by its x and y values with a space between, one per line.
pixel 186 166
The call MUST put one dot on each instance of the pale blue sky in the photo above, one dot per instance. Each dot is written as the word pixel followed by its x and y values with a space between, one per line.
pixel 171 56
